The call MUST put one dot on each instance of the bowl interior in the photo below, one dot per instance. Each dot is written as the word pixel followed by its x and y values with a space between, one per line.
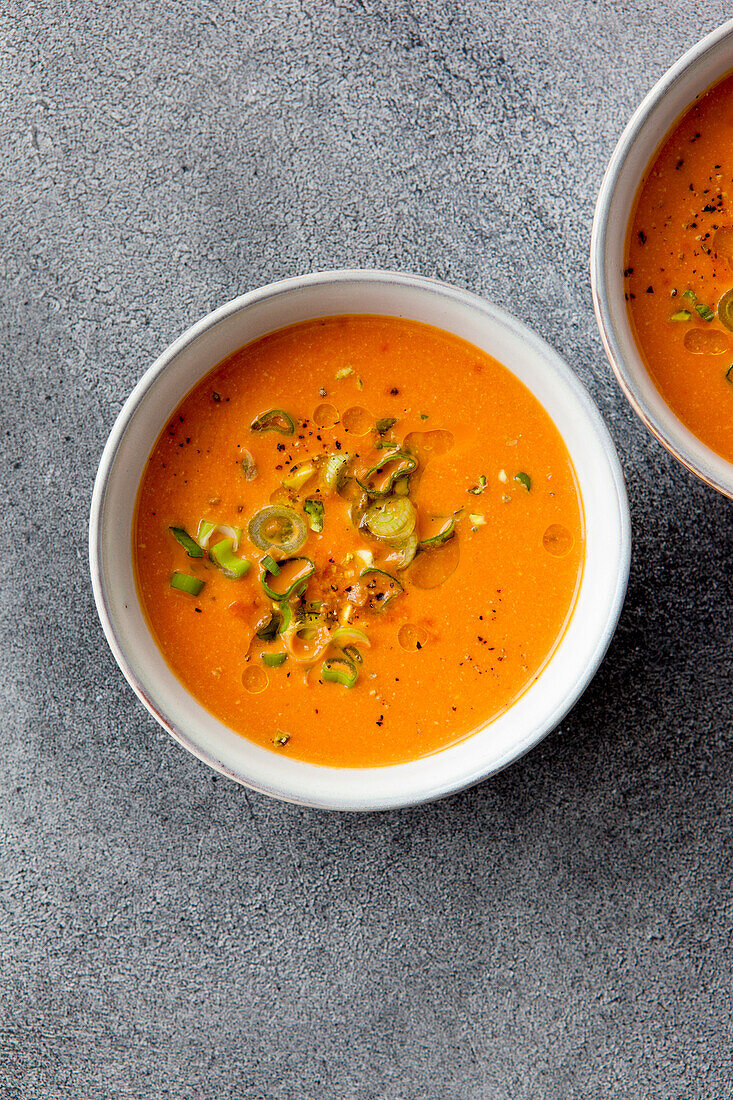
pixel 575 659
pixel 689 78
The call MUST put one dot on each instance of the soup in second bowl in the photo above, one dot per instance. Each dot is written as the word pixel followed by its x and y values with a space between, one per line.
pixel 358 540
pixel 679 269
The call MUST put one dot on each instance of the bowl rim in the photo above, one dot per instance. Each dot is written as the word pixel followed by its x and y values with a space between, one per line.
pixel 493 313
pixel 711 467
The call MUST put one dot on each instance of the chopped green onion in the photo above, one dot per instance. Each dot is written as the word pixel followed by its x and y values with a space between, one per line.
pixel 705 312
pixel 386 423
pixel 344 372
pixel 222 554
pixel 286 612
pixel 334 470
pixel 349 634
pixel 278 527
pixel 249 467
pixel 380 479
pixel 206 530
pixel 314 510
pixel 191 547
pixel 406 551
pixel 281 738
pixel 273 660
pixel 393 518
pixel 477 520
pixel 480 486
pixel 446 528
pixel 270 630
pixel 353 654
pixel 681 315
pixel 298 476
pixel 270 565
pixel 340 670
pixel 524 479
pixel 274 420
pixel 382 588
pixel 691 295
pixel 424 416
pixel 293 576
pixel 725 309
pixel 184 582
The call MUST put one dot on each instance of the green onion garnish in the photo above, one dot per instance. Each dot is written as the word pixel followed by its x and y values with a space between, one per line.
pixel 386 423
pixel 222 554
pixel 270 565
pixel 335 469
pixel 445 528
pixel 270 630
pixel 705 312
pixel 380 479
pixel 353 654
pixel 249 467
pixel 273 660
pixel 274 420
pixel 480 486
pixel 281 738
pixel 191 547
pixel 286 612
pixel 393 518
pixel 382 588
pixel 691 295
pixel 277 527
pixel 340 670
pixel 292 577
pixel 349 634
pixel 524 479
pixel 183 582
pixel 298 476
pixel 681 315
pixel 315 511
pixel 405 551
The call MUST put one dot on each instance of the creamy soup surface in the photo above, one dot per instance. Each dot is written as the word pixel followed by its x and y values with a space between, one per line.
pixel 358 539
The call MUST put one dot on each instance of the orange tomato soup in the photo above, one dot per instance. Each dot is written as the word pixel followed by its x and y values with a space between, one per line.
pixel 434 514
pixel 679 269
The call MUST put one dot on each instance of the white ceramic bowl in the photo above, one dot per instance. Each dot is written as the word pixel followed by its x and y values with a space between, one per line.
pixel 599 600
pixel 693 74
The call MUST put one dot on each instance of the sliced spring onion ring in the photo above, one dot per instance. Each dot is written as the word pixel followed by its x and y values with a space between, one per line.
pixel 274 420
pixel 249 466
pixel 307 643
pixel 705 311
pixel 184 582
pixel 286 611
pixel 725 309
pixel 277 528
pixel 206 530
pixel 270 630
pixel 298 476
pixel 270 565
pixel 315 511
pixel 334 471
pixel 347 634
pixel 380 479
pixel 444 528
pixel 222 554
pixel 340 670
pixel 382 588
pixel 190 545
pixel 353 654
pixel 393 518
pixel 404 552
pixel 273 660
pixel 524 479
pixel 293 576
pixel 479 487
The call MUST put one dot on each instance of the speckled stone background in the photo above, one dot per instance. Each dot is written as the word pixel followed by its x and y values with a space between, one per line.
pixel 562 931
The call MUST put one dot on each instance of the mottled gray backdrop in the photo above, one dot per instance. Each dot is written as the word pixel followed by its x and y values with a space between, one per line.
pixel 562 931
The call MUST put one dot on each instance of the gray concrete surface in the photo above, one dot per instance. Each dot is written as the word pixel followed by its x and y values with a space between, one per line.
pixel 562 931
